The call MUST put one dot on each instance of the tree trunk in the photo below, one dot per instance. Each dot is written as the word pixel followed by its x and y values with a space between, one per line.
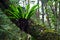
pixel 38 10
pixel 48 20
pixel 42 12
pixel 56 16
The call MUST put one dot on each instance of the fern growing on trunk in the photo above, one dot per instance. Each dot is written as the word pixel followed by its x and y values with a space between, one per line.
pixel 20 15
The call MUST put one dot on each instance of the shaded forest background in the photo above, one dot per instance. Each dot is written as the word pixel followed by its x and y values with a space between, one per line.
pixel 50 8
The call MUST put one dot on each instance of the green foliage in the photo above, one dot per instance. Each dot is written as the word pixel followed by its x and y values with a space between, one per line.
pixel 32 38
pixel 50 3
pixel 50 36
pixel 15 2
pixel 18 12
pixel 6 35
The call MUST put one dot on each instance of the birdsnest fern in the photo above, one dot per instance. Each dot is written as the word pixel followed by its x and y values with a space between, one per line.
pixel 18 12
pixel 21 16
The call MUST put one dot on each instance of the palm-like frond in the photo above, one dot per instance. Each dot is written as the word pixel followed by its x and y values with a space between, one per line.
pixel 31 11
pixel 11 14
pixel 18 12
pixel 14 10
pixel 27 8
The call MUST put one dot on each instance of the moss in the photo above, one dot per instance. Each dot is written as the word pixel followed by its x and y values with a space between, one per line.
pixel 49 35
